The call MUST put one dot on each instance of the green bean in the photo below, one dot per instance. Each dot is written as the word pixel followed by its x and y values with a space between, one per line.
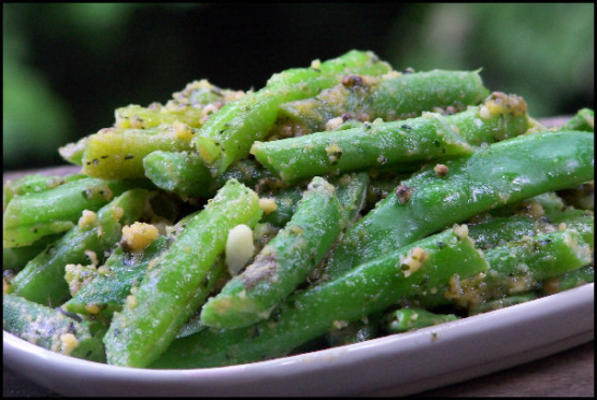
pixel 51 329
pixel 502 303
pixel 185 174
pixel 118 153
pixel 583 120
pixel 216 278
pixel 500 117
pixel 15 258
pixel 351 190
pixel 134 116
pixel 42 279
pixel 520 236
pixel 228 135
pixel 503 173
pixel 369 288
pixel 33 183
pixel 497 231
pixel 282 265
pixel 107 292
pixel 429 137
pixel 409 319
pixel 545 204
pixel 519 267
pixel 73 152
pixel 180 172
pixel 176 286
pixel 390 97
pixel 354 149
pixel 569 280
pixel 34 215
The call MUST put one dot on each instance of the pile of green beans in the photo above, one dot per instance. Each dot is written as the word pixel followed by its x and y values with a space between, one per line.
pixel 340 202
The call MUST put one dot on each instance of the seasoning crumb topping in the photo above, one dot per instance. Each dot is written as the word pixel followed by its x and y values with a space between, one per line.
pixel 413 261
pixel 138 236
pixel 68 342
pixel 461 231
pixel 88 220
pixel 334 123
pixel 268 205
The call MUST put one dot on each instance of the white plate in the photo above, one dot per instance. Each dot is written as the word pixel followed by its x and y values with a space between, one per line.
pixel 409 362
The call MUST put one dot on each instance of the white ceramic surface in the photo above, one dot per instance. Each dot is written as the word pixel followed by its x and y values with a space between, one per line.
pixel 409 362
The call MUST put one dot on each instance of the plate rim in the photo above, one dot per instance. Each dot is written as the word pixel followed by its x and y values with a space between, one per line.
pixel 340 357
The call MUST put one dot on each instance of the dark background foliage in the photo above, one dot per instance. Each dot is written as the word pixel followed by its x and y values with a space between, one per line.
pixel 66 67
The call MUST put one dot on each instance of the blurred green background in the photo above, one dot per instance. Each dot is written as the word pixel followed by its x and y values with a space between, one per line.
pixel 66 67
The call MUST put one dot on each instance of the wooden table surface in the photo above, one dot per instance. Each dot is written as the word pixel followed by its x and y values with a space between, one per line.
pixel 568 373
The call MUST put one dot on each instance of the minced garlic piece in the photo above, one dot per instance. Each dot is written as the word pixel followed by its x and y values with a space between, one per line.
pixel 239 248
pixel 268 205
pixel 69 343
pixel 88 220
pixel 139 235
pixel 413 261
pixel 316 63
